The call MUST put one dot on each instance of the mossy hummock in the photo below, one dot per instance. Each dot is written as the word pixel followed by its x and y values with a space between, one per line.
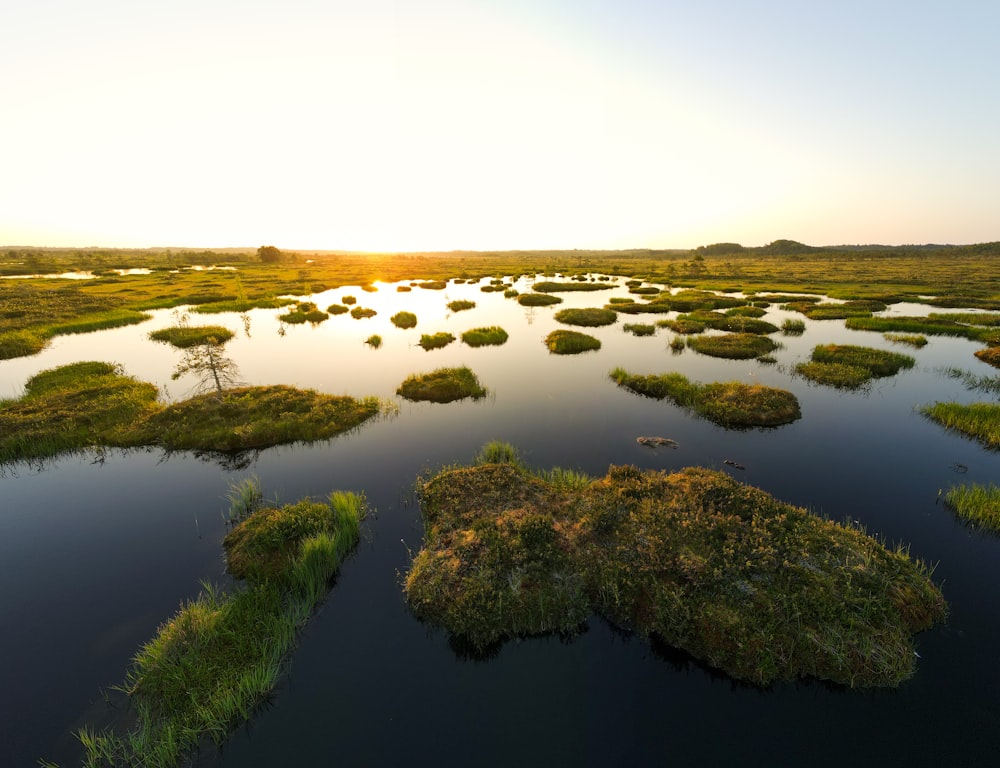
pixel 757 588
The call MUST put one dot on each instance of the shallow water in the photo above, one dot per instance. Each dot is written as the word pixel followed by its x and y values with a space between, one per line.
pixel 97 550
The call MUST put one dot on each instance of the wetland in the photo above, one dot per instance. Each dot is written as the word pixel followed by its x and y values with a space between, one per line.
pixel 104 534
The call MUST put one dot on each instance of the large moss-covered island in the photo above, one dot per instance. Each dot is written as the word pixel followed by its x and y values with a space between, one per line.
pixel 753 586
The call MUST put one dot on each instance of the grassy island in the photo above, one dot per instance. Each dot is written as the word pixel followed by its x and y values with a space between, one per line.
pixel 491 336
pixel 590 316
pixel 570 342
pixel 445 385
pixel 728 404
pixel 219 657
pixel 848 367
pixel 735 346
pixel 538 299
pixel 95 404
pixel 979 505
pixel 750 585
pixel 404 320
pixel 431 341
pixel 184 336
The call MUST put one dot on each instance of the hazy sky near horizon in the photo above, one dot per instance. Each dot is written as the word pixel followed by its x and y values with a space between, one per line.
pixel 498 124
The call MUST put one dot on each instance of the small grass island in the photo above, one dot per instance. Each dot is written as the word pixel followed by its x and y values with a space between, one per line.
pixel 445 385
pixel 755 587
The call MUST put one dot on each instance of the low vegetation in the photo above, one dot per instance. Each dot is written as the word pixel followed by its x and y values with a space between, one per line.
pixel 436 340
pixel 460 305
pixel 211 665
pixel 538 299
pixel 445 385
pixel 735 346
pixel 924 325
pixel 550 286
pixel 404 320
pixel 977 504
pixel 337 309
pixel 374 341
pixel 977 420
pixel 752 586
pixel 93 404
pixel 839 311
pixel 793 327
pixel 359 313
pixel 639 329
pixel 911 339
pixel 729 404
pixel 184 336
pixel 304 312
pixel 492 335
pixel 990 355
pixel 589 317
pixel 563 342
pixel 848 367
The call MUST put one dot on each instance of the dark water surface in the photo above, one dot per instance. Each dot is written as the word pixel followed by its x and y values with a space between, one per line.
pixel 97 551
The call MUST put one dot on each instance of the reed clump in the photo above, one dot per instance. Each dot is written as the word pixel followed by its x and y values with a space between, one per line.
pixel 444 385
pixel 757 588
pixel 729 404
pixel 359 313
pixel 460 305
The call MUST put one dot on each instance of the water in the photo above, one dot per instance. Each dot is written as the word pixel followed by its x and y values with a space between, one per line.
pixel 97 550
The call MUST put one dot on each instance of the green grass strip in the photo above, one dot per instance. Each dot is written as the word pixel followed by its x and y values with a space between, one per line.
pixel 219 657
pixel 976 504
pixel 977 420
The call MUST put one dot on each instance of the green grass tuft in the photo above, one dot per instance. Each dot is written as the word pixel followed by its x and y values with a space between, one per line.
pixel 436 340
pixel 481 337
pixel 977 420
pixel 976 504
pixel 589 317
pixel 184 336
pixel 445 385
pixel 404 320
pixel 729 404
pixel 735 346
pixel 563 342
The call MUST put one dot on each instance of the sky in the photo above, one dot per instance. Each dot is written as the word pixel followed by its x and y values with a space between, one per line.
pixel 423 125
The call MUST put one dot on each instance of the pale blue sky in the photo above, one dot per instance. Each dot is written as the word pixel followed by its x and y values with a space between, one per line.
pixel 484 124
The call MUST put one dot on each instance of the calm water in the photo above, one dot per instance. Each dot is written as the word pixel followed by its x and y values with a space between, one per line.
pixel 97 550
